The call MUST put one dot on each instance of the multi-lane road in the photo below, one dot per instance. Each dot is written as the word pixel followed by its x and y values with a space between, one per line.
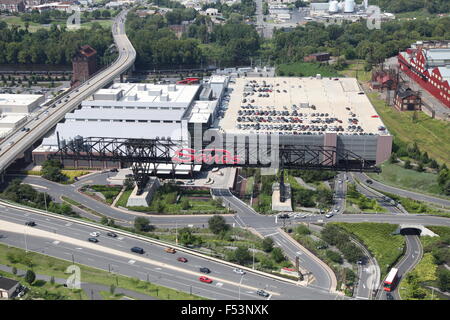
pixel 67 240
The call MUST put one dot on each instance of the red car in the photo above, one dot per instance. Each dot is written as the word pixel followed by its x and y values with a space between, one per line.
pixel 182 259
pixel 205 279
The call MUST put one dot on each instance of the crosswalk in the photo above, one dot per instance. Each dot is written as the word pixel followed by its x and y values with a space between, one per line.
pixel 302 215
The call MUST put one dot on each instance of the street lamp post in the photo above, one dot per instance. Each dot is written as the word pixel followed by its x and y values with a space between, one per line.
pixel 240 282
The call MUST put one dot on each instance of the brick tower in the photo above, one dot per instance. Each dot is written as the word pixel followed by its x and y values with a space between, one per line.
pixel 84 64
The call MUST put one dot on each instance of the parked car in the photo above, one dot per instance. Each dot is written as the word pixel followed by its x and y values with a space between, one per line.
pixel 262 293
pixel 170 250
pixel 95 240
pixel 182 259
pixel 30 223
pixel 111 234
pixel 205 279
pixel 137 250
pixel 94 234
pixel 239 271
pixel 205 270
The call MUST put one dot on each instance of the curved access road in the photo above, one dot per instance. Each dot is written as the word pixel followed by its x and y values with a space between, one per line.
pixel 15 145
pixel 362 177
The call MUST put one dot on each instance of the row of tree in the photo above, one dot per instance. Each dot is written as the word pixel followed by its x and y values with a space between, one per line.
pixel 55 46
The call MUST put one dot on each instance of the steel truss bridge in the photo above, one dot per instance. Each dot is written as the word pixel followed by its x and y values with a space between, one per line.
pixel 145 155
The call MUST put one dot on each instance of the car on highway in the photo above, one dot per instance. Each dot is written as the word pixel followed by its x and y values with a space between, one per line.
pixel 369 181
pixel 389 296
pixel 94 234
pixel 182 259
pixel 137 250
pixel 205 270
pixel 262 293
pixel 283 216
pixel 111 234
pixel 95 240
pixel 11 143
pixel 205 279
pixel 30 223
pixel 329 215
pixel 114 170
pixel 170 250
pixel 239 271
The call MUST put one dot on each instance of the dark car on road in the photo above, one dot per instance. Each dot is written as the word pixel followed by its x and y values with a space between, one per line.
pixel 389 296
pixel 114 170
pixel 369 181
pixel 111 234
pixel 30 223
pixel 95 240
pixel 205 270
pixel 262 293
pixel 137 250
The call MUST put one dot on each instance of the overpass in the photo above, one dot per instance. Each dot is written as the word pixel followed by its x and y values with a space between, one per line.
pixel 20 142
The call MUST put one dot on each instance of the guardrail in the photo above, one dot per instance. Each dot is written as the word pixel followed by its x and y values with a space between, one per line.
pixel 146 239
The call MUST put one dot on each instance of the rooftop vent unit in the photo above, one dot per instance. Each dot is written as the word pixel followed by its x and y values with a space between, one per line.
pixel 164 97
pixel 132 97
pixel 142 87
pixel 172 87
pixel 155 92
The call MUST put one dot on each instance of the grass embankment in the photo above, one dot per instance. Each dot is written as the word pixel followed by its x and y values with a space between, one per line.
pixel 306 69
pixel 46 265
pixel 41 289
pixel 171 199
pixel 416 284
pixel 81 206
pixel 378 239
pixel 70 174
pixel 431 135
pixel 395 175
pixel 355 69
pixel 357 202
pixel 109 192
pixel 414 206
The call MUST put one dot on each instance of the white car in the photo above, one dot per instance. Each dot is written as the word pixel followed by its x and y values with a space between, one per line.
pixel 94 234
pixel 239 271
pixel 329 215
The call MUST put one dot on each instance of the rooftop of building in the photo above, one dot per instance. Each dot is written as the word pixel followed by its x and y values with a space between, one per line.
pixel 438 54
pixel 148 93
pixel 292 105
pixel 7 284
pixel 18 99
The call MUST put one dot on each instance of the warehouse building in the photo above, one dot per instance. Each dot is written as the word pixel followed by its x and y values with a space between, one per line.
pixel 140 111
pixel 429 68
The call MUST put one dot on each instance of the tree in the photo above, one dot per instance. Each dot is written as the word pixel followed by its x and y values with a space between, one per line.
pixel 112 289
pixel 14 270
pixel 217 224
pixel 142 224
pixel 407 164
pixel 30 276
pixel 267 244
pixel 51 170
pixel 242 255
pixel 334 256
pixel 277 255
pixel 186 237
pixel 52 280
pixel 444 280
pixel 185 205
pixel 128 183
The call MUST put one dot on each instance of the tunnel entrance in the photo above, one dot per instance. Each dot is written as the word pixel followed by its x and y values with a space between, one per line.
pixel 410 232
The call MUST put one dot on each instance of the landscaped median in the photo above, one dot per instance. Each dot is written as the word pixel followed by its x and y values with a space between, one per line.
pixel 153 241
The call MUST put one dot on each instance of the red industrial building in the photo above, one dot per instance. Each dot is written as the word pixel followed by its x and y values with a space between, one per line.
pixel 317 57
pixel 430 68
pixel 407 100
pixel 84 65
pixel 384 79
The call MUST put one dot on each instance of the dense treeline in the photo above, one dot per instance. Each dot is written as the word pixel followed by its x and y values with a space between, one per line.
pixel 354 40
pixel 246 8
pixel 203 43
pixel 397 6
pixel 54 46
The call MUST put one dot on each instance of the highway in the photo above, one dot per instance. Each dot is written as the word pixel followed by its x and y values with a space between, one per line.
pixel 14 146
pixel 68 240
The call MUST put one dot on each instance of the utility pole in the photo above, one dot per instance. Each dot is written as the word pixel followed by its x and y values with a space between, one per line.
pixel 253 245
pixel 45 201
pixel 73 259
pixel 176 232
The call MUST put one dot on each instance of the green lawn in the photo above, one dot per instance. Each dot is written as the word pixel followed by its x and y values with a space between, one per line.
pixel 378 238
pixel 395 175
pixel 306 69
pixel 109 192
pixel 431 135
pixel 41 289
pixel 355 69
pixel 46 265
